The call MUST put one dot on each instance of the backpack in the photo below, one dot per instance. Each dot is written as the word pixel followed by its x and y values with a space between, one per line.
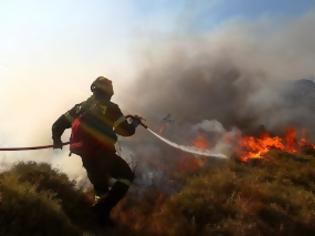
pixel 91 131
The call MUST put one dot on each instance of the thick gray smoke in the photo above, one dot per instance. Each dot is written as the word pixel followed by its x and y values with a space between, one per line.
pixel 241 79
pixel 242 76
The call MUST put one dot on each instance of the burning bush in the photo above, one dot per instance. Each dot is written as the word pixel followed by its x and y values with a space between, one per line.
pixel 256 147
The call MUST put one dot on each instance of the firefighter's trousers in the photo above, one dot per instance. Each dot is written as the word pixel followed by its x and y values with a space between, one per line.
pixel 100 168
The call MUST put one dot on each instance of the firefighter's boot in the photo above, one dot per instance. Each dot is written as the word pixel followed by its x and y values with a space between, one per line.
pixel 104 205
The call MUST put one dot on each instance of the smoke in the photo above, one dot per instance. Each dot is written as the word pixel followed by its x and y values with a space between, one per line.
pixel 28 108
pixel 239 75
pixel 242 78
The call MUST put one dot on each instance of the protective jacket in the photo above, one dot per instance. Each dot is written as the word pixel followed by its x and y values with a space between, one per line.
pixel 95 123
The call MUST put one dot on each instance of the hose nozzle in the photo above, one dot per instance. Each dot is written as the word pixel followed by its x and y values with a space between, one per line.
pixel 139 119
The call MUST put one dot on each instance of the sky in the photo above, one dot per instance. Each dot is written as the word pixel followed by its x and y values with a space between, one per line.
pixel 52 50
pixel 81 39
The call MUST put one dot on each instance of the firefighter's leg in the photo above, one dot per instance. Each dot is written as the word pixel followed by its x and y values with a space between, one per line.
pixel 97 174
pixel 124 177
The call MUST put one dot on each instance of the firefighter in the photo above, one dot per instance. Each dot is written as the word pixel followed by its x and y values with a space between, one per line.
pixel 95 123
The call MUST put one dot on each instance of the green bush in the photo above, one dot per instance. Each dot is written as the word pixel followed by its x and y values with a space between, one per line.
pixel 72 200
pixel 24 210
pixel 38 200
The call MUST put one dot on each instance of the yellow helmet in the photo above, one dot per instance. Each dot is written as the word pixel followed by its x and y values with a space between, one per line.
pixel 102 85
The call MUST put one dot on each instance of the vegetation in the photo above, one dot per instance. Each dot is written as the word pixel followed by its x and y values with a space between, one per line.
pixel 37 200
pixel 270 196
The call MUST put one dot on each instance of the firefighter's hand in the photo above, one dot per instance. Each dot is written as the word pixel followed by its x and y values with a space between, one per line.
pixel 57 144
pixel 136 120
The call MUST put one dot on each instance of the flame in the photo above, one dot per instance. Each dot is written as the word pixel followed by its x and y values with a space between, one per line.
pixel 253 147
pixel 200 142
pixel 189 164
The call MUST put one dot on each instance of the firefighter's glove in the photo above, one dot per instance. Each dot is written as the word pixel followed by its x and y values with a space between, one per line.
pixel 136 120
pixel 57 144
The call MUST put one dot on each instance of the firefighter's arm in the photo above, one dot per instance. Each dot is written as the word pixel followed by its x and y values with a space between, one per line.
pixel 63 123
pixel 122 126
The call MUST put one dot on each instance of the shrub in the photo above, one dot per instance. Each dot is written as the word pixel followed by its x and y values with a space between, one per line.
pixel 72 200
pixel 270 196
pixel 26 211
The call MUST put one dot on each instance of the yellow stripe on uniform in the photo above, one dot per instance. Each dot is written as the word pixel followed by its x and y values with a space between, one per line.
pixel 124 181
pixel 119 121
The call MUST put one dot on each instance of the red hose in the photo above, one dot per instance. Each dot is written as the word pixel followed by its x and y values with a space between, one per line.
pixel 29 148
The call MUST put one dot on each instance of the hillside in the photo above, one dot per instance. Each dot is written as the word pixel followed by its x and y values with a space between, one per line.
pixel 270 196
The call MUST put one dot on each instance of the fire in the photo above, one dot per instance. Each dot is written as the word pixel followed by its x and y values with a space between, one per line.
pixel 201 142
pixel 253 147
pixel 190 164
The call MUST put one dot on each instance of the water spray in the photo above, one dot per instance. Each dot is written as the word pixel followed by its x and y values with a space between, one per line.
pixel 189 149
pixel 184 148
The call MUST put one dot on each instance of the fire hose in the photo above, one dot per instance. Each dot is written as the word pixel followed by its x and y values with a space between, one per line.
pixel 8 149
pixel 184 148
pixel 29 148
